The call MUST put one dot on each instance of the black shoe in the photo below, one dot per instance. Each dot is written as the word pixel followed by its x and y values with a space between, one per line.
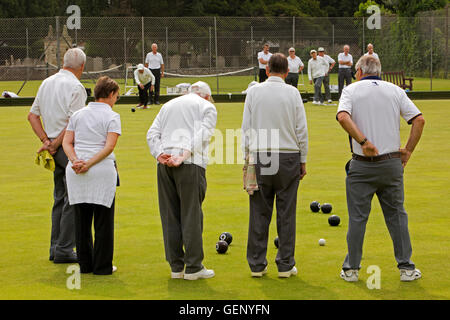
pixel 72 259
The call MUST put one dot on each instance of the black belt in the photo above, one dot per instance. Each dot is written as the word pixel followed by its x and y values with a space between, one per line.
pixel 381 157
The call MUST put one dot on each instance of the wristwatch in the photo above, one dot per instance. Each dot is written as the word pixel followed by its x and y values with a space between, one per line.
pixel 362 142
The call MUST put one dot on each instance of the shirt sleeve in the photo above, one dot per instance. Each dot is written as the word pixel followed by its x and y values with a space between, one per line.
pixel 331 60
pixel 309 70
pixel 154 136
pixel 136 77
pixel 301 128
pixel 35 109
pixel 206 130
pixel 78 101
pixel 161 59
pixel 71 125
pixel 408 109
pixel 246 124
pixel 345 102
pixel 114 124
pixel 300 63
pixel 147 60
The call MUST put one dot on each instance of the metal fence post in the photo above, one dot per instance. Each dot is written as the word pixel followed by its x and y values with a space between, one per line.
pixel 210 49
pixel 125 58
pixel 364 36
pixel 431 55
pixel 293 32
pixel 446 43
pixel 332 32
pixel 217 60
pixel 143 40
pixel 28 53
pixel 58 46
pixel 167 47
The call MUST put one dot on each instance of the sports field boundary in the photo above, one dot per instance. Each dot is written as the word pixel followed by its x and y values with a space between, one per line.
pixel 227 97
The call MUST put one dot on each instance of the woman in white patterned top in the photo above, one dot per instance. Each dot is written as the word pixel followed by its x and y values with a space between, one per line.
pixel 90 139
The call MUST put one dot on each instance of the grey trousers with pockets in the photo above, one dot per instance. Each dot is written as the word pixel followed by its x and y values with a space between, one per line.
pixel 385 179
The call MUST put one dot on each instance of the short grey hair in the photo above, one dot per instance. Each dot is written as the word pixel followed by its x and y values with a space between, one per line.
pixel 74 58
pixel 369 65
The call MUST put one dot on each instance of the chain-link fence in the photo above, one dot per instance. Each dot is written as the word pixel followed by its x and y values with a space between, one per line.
pixel 33 48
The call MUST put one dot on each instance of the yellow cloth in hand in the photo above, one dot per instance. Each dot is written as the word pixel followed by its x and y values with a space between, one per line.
pixel 45 158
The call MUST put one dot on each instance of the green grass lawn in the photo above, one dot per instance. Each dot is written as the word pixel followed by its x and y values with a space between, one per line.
pixel 143 273
pixel 229 84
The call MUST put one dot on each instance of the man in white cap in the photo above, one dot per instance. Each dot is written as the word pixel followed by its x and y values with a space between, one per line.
pixel 145 81
pixel 326 79
pixel 295 67
pixel 317 68
pixel 179 139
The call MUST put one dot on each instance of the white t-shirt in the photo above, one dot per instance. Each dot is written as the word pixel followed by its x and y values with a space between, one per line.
pixel 58 97
pixel 373 55
pixel 376 106
pixel 294 64
pixel 345 58
pixel 154 60
pixel 91 126
pixel 328 59
pixel 265 57
pixel 184 123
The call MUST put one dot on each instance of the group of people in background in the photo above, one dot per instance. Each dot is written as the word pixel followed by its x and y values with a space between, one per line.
pixel 319 67
pixel 82 140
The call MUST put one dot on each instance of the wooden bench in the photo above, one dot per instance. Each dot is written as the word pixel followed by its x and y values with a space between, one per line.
pixel 398 78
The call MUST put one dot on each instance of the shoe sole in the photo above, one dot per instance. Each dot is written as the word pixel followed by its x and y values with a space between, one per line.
pixel 287 274
pixel 343 277
pixel 259 274
pixel 186 277
pixel 409 279
pixel 177 275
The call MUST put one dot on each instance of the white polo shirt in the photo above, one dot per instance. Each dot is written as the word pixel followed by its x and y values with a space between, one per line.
pixel 294 64
pixel 375 107
pixel 184 123
pixel 58 97
pixel 154 60
pixel 328 59
pixel 265 57
pixel 343 57
pixel 373 55
pixel 274 105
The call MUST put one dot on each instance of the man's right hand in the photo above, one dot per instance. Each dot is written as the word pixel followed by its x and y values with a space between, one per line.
pixel 141 86
pixel 369 149
pixel 164 158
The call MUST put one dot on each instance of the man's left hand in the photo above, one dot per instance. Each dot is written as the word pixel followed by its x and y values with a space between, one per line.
pixel 405 155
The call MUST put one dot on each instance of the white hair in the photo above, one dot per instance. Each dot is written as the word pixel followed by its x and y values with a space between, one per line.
pixel 74 58
pixel 369 65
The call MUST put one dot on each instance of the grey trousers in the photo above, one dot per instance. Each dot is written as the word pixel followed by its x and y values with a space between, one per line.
pixel 318 89
pixel 385 179
pixel 283 187
pixel 292 79
pixel 326 84
pixel 63 214
pixel 344 74
pixel 181 192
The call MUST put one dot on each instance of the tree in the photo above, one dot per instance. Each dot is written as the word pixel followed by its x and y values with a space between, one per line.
pixel 410 8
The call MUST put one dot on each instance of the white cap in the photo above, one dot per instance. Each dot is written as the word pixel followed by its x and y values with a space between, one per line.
pixel 321 49
pixel 140 66
pixel 291 49
pixel 313 51
pixel 201 88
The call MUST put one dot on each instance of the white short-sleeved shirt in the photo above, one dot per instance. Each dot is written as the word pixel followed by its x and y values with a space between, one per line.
pixel 375 107
pixel 265 56
pixel 345 58
pixel 91 126
pixel 58 97
pixel 154 60
pixel 328 59
pixel 373 55
pixel 294 64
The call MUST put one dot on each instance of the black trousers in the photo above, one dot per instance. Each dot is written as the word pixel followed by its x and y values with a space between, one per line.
pixel 292 79
pixel 262 75
pixel 344 74
pixel 144 93
pixel 95 256
pixel 282 185
pixel 154 95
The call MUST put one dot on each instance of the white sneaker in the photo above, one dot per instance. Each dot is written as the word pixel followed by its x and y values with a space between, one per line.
pixel 202 274
pixel 315 102
pixel 330 101
pixel 287 274
pixel 177 275
pixel 259 274
pixel 114 269
pixel 410 275
pixel 350 275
